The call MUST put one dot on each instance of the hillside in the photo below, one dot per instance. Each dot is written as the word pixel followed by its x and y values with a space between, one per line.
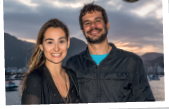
pixel 18 52
pixel 150 56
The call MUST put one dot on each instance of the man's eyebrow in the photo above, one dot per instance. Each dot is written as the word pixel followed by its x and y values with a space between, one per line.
pixel 86 21
pixel 95 19
pixel 98 18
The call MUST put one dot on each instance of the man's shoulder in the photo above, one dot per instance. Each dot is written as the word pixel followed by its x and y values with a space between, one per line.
pixel 127 54
pixel 120 53
pixel 77 56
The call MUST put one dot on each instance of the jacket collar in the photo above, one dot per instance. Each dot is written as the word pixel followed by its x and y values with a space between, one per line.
pixel 111 54
pixel 48 76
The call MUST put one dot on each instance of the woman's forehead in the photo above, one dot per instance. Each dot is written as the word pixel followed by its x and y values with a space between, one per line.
pixel 54 33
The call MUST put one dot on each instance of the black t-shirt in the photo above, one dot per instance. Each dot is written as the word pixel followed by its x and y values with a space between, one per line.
pixel 41 89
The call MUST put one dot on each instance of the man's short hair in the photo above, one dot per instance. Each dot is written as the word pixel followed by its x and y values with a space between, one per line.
pixel 90 8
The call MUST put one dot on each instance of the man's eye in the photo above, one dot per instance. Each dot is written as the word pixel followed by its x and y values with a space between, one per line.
pixel 97 20
pixel 87 23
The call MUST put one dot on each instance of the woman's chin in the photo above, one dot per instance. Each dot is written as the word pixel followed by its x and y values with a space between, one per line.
pixel 54 61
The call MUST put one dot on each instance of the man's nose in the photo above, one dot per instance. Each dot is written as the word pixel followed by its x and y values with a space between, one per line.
pixel 93 24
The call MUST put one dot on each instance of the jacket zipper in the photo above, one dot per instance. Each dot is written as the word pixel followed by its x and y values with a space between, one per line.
pixel 103 79
pixel 98 91
pixel 116 79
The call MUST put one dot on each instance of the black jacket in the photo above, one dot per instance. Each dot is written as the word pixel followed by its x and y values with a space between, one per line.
pixel 41 89
pixel 120 77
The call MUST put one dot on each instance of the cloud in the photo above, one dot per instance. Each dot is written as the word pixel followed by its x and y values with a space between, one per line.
pixel 138 31
pixel 65 4
pixel 28 3
pixel 25 22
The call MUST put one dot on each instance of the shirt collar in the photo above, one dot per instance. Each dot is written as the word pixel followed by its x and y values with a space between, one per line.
pixel 111 54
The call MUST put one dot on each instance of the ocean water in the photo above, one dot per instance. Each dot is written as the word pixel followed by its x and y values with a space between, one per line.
pixel 12 97
pixel 157 87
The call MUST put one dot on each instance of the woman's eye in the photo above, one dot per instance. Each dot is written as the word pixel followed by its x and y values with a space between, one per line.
pixel 49 42
pixel 62 41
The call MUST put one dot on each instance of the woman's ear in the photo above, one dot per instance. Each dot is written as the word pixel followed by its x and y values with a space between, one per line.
pixel 68 43
pixel 41 47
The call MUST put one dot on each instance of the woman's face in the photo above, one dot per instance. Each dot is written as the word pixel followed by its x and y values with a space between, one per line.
pixel 55 45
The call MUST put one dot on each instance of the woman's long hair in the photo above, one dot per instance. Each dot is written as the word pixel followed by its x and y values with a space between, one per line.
pixel 38 57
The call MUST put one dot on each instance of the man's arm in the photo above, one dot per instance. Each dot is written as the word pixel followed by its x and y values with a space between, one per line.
pixel 141 87
pixel 69 63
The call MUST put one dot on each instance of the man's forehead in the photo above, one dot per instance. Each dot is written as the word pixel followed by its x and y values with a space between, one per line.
pixel 92 14
pixel 93 11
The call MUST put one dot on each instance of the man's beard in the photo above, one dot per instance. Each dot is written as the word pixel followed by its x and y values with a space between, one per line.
pixel 100 38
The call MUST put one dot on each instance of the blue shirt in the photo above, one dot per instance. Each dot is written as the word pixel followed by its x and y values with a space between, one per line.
pixel 98 58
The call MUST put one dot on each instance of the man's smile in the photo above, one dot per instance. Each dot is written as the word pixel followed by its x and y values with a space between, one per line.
pixel 94 32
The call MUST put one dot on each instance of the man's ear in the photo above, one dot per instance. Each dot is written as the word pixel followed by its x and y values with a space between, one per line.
pixel 82 31
pixel 41 47
pixel 108 25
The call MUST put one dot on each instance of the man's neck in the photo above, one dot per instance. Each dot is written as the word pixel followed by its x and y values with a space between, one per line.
pixel 99 49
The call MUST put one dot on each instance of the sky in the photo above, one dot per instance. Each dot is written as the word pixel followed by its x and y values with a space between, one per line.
pixel 135 27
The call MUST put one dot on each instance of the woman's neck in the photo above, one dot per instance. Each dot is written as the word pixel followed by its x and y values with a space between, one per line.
pixel 55 69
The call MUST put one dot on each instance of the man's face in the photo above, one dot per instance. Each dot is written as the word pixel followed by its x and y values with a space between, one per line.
pixel 94 27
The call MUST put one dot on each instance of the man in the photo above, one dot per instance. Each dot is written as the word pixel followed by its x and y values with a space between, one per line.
pixel 106 73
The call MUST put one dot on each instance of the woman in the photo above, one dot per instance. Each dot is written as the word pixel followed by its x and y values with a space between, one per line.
pixel 47 82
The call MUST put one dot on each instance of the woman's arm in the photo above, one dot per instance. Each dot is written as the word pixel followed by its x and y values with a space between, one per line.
pixel 32 92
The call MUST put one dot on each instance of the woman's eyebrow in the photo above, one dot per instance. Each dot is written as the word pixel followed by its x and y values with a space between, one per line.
pixel 63 37
pixel 48 39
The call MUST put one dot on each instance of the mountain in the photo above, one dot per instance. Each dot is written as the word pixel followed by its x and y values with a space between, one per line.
pixel 159 61
pixel 76 46
pixel 150 56
pixel 18 52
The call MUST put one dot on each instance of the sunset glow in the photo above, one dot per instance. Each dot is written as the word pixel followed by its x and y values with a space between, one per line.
pixel 28 40
pixel 140 51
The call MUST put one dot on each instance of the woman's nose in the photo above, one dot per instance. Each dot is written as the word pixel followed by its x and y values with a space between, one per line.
pixel 56 47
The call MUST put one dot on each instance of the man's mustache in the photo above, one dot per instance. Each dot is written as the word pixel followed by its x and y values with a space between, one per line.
pixel 94 29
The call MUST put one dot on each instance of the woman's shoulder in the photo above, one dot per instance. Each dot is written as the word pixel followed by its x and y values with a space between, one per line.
pixel 35 75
